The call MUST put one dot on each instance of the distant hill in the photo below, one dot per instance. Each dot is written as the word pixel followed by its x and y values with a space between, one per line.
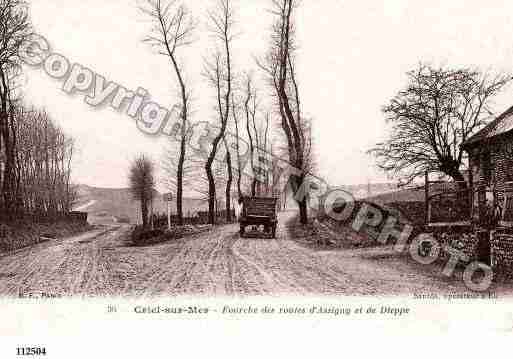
pixel 105 205
pixel 407 204
pixel 402 195
pixel 360 191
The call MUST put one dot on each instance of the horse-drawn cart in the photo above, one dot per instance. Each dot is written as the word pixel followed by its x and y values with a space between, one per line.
pixel 259 211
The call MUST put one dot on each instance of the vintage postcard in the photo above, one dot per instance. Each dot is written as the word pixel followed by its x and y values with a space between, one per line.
pixel 185 172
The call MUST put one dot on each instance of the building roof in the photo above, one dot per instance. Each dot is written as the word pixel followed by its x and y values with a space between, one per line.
pixel 501 125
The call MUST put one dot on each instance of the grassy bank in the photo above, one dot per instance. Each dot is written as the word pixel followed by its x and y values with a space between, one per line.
pixel 23 234
pixel 146 237
pixel 325 231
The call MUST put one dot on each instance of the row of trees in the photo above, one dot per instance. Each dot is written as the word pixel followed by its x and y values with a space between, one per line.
pixel 15 27
pixel 44 155
pixel 35 154
pixel 238 107
pixel 437 111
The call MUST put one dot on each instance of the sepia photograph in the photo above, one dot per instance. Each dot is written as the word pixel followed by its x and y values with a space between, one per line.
pixel 168 165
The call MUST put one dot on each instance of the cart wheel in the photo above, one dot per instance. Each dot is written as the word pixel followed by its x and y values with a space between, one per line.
pixel 274 231
pixel 241 231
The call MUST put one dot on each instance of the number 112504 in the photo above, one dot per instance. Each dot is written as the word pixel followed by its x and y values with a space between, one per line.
pixel 30 351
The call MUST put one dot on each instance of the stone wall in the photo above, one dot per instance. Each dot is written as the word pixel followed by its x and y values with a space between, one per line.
pixel 462 239
pixel 502 254
pixel 80 217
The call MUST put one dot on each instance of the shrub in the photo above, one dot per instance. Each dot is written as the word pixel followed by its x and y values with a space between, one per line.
pixel 143 237
pixel 123 219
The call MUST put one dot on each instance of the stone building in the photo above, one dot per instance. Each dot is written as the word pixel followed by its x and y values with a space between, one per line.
pixel 490 153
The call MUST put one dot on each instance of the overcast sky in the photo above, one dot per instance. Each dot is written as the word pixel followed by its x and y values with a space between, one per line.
pixel 352 60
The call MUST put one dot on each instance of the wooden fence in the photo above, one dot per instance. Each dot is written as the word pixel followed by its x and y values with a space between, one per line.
pixel 160 220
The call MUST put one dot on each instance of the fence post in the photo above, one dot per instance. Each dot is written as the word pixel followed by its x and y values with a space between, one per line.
pixel 426 195
pixel 471 189
pixel 169 215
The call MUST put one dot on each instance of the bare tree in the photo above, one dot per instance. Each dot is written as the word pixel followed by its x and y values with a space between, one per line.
pixel 199 181
pixel 250 110
pixel 229 182
pixel 170 165
pixel 279 65
pixel 15 28
pixel 439 109
pixel 173 28
pixel 44 155
pixel 237 146
pixel 218 71
pixel 276 183
pixel 263 150
pixel 142 184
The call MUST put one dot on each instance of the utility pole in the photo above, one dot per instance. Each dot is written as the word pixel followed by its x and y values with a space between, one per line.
pixel 151 215
pixel 168 198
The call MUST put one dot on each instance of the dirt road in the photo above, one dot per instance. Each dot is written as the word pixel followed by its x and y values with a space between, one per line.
pixel 102 263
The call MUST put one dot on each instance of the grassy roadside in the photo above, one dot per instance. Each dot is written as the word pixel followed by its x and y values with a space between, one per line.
pixel 143 237
pixel 323 231
pixel 14 236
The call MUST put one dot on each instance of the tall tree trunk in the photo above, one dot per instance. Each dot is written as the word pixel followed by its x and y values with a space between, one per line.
pixel 237 144
pixel 254 187
pixel 296 183
pixel 292 128
pixel 224 108
pixel 228 184
pixel 250 137
pixel 144 212
pixel 9 154
pixel 181 159
pixel 303 211
pixel 179 196
pixel 211 192
pixel 457 176
pixel 463 195
pixel 451 168
pixel 179 176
